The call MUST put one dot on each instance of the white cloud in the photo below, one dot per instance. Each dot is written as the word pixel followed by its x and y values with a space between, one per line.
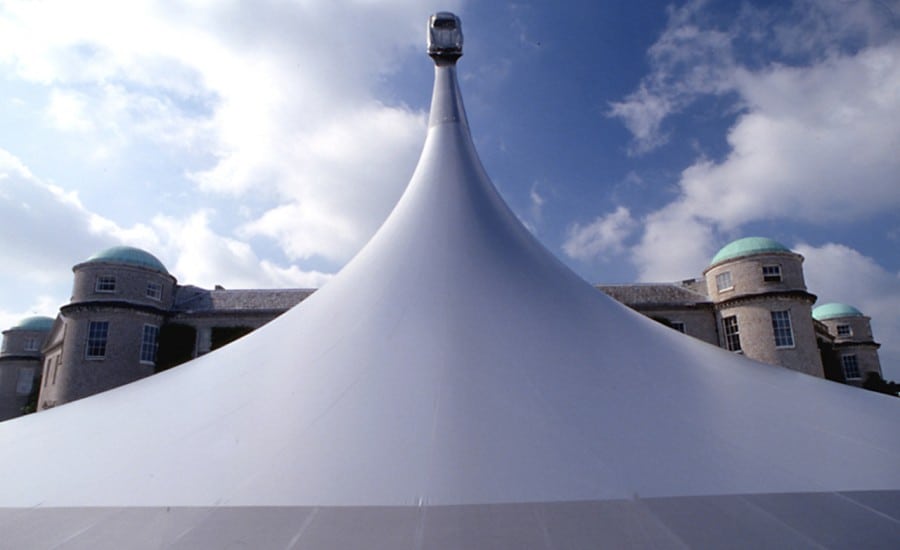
pixel 837 273
pixel 43 230
pixel 643 113
pixel 198 255
pixel 339 182
pixel 604 235
pixel 686 61
pixel 814 142
pixel 698 56
pixel 675 245
pixel 277 98
pixel 814 146
pixel 67 111
pixel 42 305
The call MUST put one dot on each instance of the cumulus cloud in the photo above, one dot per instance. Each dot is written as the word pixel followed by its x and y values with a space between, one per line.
pixel 44 305
pixel 698 55
pixel 198 255
pixel 43 229
pixel 277 99
pixel 837 273
pixel 810 144
pixel 605 235
pixel 675 245
pixel 687 61
pixel 340 181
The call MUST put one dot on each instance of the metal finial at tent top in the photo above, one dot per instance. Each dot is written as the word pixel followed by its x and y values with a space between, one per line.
pixel 445 38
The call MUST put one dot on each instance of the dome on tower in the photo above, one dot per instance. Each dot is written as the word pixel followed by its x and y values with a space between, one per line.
pixel 835 310
pixel 34 323
pixel 128 255
pixel 746 247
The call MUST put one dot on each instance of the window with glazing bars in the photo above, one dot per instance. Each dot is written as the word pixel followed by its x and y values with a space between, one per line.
pixel 851 367
pixel 732 336
pixel 149 344
pixel 154 291
pixel 105 283
pixel 781 326
pixel 96 340
pixel 723 281
pixel 844 330
pixel 771 273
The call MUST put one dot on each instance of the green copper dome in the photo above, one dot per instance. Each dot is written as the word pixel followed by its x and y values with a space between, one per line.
pixel 34 323
pixel 834 311
pixel 746 247
pixel 129 255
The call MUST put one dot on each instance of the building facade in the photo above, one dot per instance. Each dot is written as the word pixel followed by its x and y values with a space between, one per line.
pixel 20 364
pixel 753 300
pixel 129 318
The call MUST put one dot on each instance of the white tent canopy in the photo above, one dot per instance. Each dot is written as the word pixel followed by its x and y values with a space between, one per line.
pixel 457 386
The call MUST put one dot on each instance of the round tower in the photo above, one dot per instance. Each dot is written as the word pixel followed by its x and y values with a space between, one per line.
pixel 854 343
pixel 20 363
pixel 120 298
pixel 763 308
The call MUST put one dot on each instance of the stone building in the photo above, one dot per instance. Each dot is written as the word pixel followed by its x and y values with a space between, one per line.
pixel 849 345
pixel 20 364
pixel 762 305
pixel 129 318
pixel 753 300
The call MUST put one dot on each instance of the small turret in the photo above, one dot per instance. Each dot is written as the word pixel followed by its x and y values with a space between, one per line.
pixel 854 345
pixel 120 298
pixel 764 310
pixel 20 364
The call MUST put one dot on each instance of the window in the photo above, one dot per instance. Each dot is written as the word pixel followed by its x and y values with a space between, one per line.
pixel 56 367
pixel 732 336
pixel 771 273
pixel 723 281
pixel 149 343
pixel 31 344
pixel 851 367
pixel 844 330
pixel 96 340
pixel 25 381
pixel 47 371
pixel 105 283
pixel 781 326
pixel 677 325
pixel 154 291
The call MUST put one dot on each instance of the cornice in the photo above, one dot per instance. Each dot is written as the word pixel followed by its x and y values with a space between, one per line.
pixel 121 305
pixel 744 298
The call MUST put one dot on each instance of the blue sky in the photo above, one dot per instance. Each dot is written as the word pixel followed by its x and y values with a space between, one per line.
pixel 260 145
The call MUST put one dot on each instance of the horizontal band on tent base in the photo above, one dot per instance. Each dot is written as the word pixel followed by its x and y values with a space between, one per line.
pixel 856 519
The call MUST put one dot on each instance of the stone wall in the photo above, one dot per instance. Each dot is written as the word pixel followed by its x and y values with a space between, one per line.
pixel 757 336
